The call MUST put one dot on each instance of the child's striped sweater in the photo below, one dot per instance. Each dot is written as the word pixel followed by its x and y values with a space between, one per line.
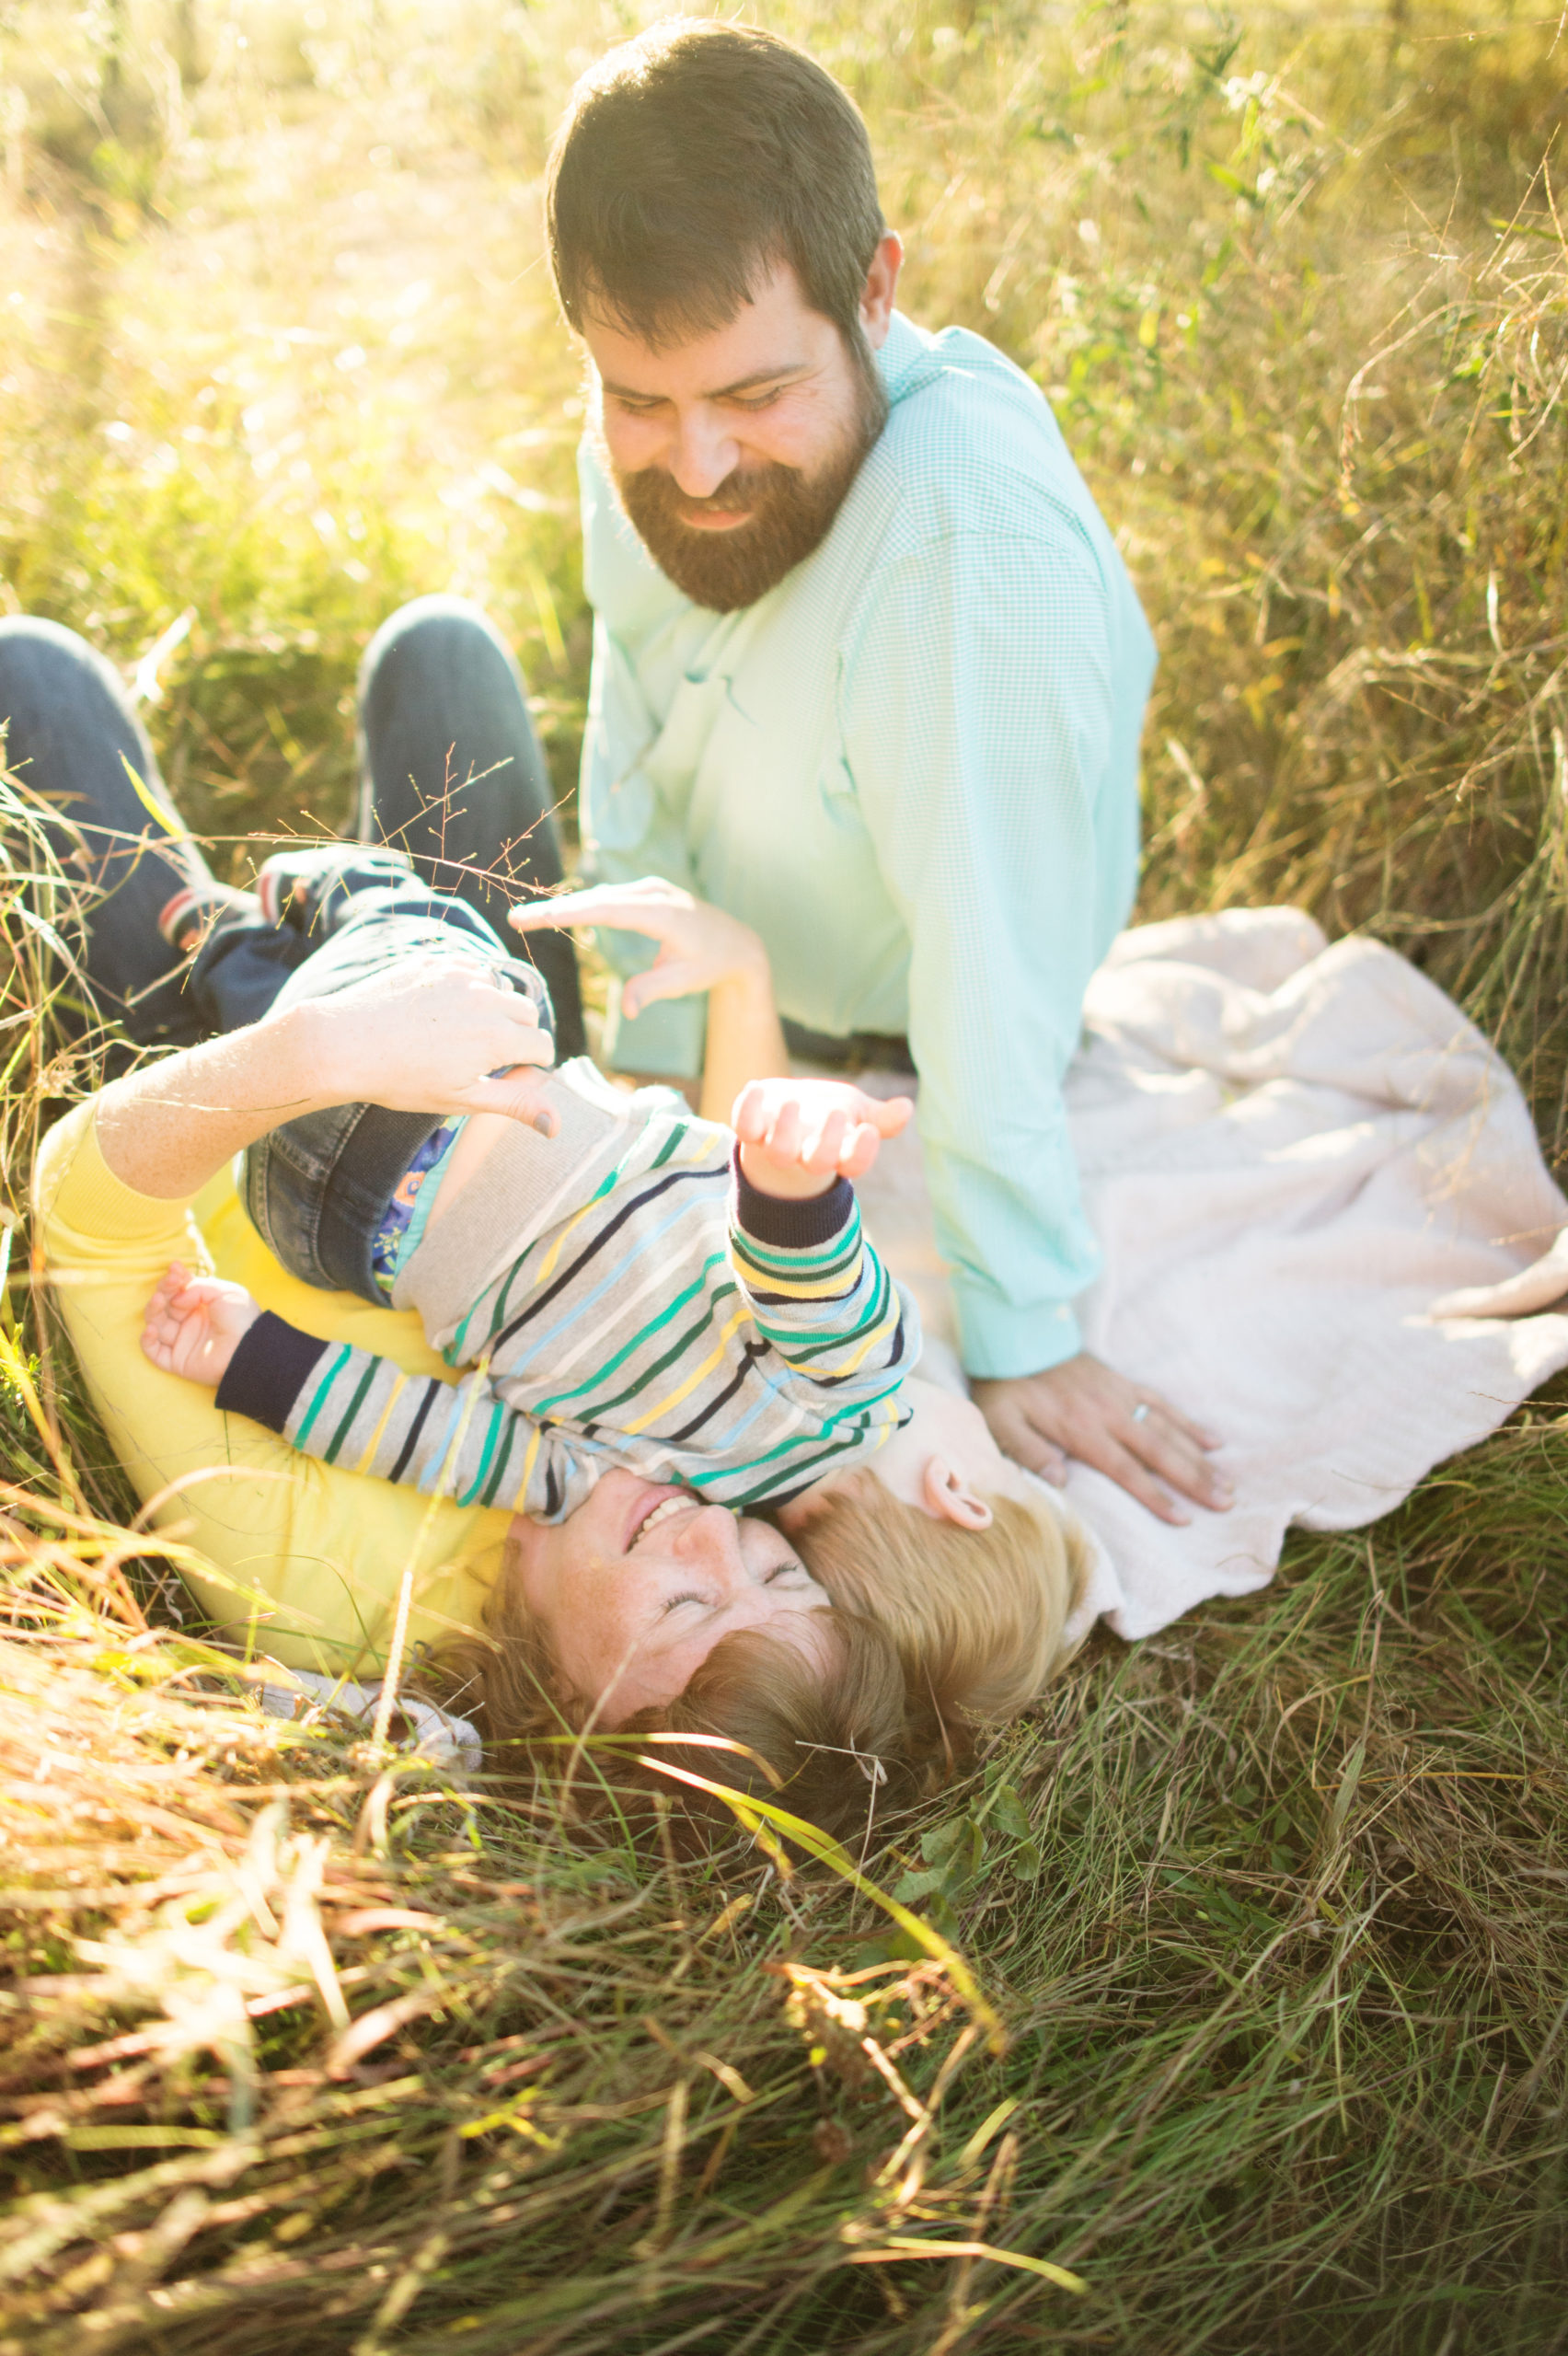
pixel 624 1297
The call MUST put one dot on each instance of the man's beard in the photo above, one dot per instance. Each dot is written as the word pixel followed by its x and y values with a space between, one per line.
pixel 789 512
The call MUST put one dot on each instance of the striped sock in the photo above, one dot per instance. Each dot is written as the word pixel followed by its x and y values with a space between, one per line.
pixel 185 921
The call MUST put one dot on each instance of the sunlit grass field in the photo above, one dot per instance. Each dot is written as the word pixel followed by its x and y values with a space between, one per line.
pixel 1239 2017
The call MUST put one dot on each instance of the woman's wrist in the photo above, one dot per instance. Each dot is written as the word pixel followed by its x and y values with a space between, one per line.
pixel 321 1051
pixel 744 1039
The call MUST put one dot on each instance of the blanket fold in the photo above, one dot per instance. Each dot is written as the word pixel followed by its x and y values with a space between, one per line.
pixel 1295 1157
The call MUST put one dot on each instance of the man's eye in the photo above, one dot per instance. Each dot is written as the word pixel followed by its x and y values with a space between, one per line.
pixel 758 400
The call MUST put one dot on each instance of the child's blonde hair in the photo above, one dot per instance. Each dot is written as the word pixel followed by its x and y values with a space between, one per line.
pixel 979 1616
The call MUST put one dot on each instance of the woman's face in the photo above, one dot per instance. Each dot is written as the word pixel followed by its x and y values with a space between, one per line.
pixel 636 1589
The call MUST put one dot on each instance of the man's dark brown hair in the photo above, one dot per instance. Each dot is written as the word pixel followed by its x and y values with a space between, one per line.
pixel 690 162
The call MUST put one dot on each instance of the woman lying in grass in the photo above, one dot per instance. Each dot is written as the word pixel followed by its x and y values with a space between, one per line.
pixel 930 1620
pixel 652 1332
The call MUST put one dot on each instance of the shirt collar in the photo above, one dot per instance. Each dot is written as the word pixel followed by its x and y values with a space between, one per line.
pixel 908 358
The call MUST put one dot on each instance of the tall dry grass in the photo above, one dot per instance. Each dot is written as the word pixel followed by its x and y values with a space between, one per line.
pixel 304 2046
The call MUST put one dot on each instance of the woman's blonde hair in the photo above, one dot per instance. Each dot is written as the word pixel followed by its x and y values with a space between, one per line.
pixel 978 1614
pixel 776 1724
pixel 934 1626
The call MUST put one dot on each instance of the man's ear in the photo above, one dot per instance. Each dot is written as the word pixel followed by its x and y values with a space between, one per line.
pixel 949 1497
pixel 881 284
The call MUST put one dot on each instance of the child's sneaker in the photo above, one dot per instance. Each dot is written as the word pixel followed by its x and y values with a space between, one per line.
pixel 187 919
pixel 295 887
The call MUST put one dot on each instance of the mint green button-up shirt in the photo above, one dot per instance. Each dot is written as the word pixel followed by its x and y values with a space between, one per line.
pixel 912 768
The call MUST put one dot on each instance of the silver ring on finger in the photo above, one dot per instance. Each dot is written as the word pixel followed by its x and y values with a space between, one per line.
pixel 1140 1413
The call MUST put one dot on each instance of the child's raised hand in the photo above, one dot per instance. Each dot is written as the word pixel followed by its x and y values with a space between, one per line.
pixel 194 1324
pixel 798 1136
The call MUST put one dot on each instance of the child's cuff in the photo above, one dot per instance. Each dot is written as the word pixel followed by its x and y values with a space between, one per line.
pixel 271 1367
pixel 791 1224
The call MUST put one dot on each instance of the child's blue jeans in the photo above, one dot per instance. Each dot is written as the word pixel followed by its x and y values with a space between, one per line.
pixel 317 1188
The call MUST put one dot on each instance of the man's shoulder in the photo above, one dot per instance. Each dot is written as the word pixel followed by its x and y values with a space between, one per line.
pixel 971 449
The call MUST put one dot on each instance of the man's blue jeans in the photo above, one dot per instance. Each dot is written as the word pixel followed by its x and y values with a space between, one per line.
pixel 450 772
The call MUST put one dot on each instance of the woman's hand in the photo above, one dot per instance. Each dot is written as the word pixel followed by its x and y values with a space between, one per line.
pixel 434 1034
pixel 700 948
pixel 196 1323
pixel 438 1033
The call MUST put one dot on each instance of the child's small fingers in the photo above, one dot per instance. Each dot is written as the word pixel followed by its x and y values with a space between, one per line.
pixel 892 1115
pixel 783 1138
pixel 747 1110
pixel 822 1150
pixel 859 1149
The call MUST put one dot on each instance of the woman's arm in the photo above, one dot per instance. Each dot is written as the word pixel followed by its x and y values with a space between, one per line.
pixel 700 948
pixel 427 1037
pixel 167 1128
pixel 315 1553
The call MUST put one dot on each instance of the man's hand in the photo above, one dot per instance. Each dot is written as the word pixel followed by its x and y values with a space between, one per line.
pixel 195 1325
pixel 1086 1410
pixel 798 1136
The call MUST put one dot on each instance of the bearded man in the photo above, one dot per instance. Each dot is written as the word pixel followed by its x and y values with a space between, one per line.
pixel 869 674
pixel 869 677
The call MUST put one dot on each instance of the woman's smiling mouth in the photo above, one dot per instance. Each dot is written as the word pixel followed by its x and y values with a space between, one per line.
pixel 664 1509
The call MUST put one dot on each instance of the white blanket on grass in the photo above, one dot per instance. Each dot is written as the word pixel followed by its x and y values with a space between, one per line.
pixel 1289 1152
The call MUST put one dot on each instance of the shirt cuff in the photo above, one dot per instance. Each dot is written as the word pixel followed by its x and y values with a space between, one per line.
pixel 790 1224
pixel 269 1370
pixel 73 1187
pixel 1000 1340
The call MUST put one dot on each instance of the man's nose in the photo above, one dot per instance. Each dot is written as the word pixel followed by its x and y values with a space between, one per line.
pixel 705 453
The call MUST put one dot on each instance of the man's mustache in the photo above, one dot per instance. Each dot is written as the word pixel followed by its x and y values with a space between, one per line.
pixel 739 492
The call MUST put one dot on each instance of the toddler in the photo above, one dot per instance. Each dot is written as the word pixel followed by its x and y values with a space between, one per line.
pixel 623 1284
